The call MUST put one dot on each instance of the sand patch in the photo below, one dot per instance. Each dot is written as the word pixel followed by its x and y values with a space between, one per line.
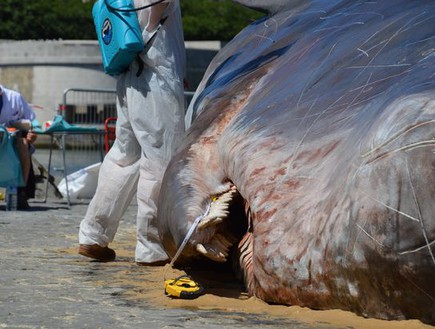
pixel 222 292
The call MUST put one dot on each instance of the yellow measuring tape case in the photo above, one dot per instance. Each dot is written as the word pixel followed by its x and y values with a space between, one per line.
pixel 183 287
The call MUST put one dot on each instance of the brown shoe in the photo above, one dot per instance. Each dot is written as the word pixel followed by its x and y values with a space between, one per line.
pixel 103 254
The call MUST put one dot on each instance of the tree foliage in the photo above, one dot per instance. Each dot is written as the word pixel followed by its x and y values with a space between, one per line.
pixel 46 19
pixel 214 19
pixel 72 19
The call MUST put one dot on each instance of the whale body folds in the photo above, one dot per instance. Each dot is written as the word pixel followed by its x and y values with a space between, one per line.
pixel 311 158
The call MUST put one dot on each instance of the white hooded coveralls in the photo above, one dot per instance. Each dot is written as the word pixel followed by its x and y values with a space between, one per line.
pixel 150 125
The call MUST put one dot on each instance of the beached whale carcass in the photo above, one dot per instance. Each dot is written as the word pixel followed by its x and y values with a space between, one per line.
pixel 320 120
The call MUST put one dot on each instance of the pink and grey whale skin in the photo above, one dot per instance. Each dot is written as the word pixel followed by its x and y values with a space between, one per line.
pixel 322 116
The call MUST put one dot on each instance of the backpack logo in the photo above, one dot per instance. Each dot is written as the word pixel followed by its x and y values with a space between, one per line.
pixel 106 31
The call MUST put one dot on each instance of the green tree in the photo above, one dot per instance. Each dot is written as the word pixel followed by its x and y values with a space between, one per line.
pixel 46 19
pixel 214 19
pixel 72 19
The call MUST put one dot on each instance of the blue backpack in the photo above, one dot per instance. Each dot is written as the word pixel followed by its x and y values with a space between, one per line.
pixel 119 33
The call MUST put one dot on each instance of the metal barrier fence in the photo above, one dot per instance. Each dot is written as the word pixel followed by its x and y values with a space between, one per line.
pixel 88 107
pixel 83 107
pixel 93 106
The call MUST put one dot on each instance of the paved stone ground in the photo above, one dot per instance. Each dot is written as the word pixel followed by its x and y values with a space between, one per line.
pixel 42 285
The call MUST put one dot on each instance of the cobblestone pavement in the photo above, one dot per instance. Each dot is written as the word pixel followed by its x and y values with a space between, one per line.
pixel 42 285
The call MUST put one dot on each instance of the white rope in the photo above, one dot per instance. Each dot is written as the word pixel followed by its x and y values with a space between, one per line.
pixel 189 234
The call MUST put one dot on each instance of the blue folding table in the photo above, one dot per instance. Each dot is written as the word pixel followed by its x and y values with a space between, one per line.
pixel 61 128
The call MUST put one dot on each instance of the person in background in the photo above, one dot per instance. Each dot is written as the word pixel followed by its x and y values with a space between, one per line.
pixel 16 113
pixel 150 109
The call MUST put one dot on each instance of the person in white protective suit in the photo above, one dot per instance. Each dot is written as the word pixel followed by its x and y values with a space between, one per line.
pixel 150 106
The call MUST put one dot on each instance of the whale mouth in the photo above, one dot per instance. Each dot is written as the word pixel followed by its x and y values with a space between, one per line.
pixel 222 227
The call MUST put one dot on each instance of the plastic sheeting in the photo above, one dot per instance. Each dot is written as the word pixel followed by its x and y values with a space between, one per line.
pixel 82 184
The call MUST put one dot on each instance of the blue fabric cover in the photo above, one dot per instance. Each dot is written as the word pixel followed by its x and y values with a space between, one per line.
pixel 10 166
pixel 60 125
